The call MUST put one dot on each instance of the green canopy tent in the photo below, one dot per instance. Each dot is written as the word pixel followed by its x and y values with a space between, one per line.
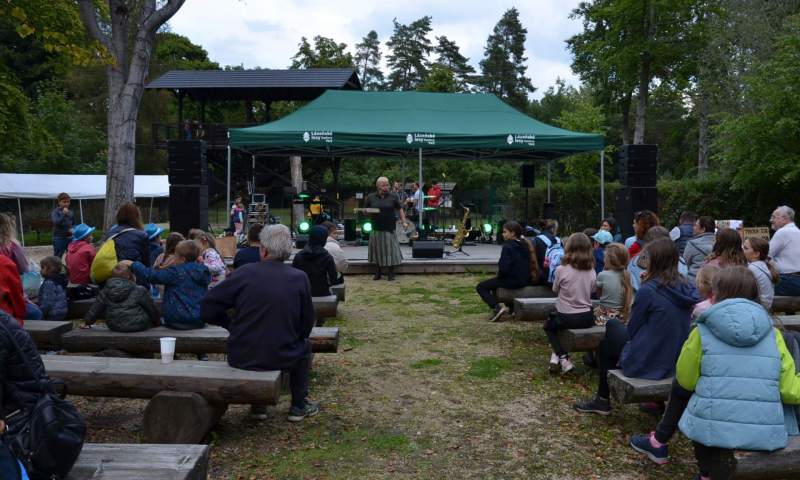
pixel 445 125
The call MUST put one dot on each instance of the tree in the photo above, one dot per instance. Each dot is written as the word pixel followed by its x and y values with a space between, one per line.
pixel 440 79
pixel 408 60
pixel 449 55
pixel 325 53
pixel 126 31
pixel 503 66
pixel 367 59
pixel 555 100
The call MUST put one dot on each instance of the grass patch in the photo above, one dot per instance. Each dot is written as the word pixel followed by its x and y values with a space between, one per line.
pixel 427 363
pixel 488 367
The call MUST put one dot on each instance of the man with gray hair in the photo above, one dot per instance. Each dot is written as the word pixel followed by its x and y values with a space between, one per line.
pixel 784 248
pixel 274 317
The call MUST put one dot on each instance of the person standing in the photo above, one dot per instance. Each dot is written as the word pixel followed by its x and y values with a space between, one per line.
pixel 434 201
pixel 63 219
pixel 785 250
pixel 384 248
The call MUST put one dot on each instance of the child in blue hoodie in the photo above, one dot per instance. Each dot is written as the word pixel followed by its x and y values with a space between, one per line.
pixel 186 283
pixel 52 298
pixel 733 376
pixel 659 324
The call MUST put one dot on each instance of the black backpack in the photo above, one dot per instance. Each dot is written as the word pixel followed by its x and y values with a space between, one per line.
pixel 47 439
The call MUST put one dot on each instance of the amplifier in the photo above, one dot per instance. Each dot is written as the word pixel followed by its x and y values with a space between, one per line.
pixel 427 249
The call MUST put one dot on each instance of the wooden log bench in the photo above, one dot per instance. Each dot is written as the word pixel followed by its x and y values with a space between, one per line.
pixel 787 305
pixel 784 463
pixel 77 309
pixel 115 461
pixel 789 322
pixel 582 339
pixel 187 398
pixel 324 308
pixel 47 333
pixel 636 390
pixel 535 309
pixel 211 339
pixel 339 291
pixel 507 296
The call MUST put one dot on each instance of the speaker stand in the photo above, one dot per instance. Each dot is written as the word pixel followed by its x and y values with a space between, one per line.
pixel 458 250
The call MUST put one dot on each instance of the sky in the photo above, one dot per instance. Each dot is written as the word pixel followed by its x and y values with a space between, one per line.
pixel 266 33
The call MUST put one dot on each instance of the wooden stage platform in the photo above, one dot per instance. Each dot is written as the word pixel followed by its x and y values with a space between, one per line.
pixel 482 258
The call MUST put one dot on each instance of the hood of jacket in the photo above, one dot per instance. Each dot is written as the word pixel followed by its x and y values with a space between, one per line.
pixel 198 273
pixel 737 321
pixel 77 245
pixel 684 294
pixel 314 251
pixel 59 279
pixel 118 289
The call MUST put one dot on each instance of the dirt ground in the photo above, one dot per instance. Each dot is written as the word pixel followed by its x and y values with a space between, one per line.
pixel 424 387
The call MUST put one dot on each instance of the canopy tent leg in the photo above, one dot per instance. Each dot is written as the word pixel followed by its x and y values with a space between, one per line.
pixel 548 180
pixel 149 215
pixel 253 184
pixel 228 181
pixel 602 186
pixel 80 208
pixel 21 228
pixel 421 205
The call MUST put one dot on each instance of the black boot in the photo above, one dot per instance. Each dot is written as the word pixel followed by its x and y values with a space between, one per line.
pixel 390 275
pixel 377 275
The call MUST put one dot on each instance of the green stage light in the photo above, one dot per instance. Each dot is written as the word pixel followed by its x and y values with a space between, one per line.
pixel 487 228
pixel 367 227
pixel 304 227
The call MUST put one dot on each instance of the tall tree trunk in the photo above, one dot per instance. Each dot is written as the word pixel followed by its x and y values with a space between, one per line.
pixel 296 166
pixel 641 100
pixel 702 133
pixel 625 107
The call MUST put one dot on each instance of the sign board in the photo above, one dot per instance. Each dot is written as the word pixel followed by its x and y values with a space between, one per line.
pixel 757 232
pixel 734 224
pixel 359 195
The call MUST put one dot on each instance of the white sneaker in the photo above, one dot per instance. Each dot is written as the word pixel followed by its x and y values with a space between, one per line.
pixel 499 311
pixel 553 367
pixel 566 364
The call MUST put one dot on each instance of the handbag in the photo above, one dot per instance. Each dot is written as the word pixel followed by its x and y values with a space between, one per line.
pixel 47 439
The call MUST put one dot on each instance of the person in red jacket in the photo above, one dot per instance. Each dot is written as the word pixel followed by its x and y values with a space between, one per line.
pixel 12 300
pixel 80 254
pixel 434 198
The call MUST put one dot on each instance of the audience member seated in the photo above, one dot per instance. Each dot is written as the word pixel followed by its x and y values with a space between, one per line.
pixel 167 257
pixel 333 247
pixel 610 225
pixel 575 280
pixel 638 264
pixel 185 285
pixel 785 251
pixel 642 222
pixel 743 374
pixel 270 328
pixel 210 256
pixel 317 263
pixel 12 299
pixel 514 269
pixel 52 298
pixel 80 254
pixel 543 241
pixel 704 283
pixel 153 232
pixel 756 250
pixel 9 246
pixel 600 240
pixel 125 306
pixel 727 250
pixel 251 253
pixel 659 324
pixel 699 246
pixel 130 241
pixel 614 292
pixel 683 231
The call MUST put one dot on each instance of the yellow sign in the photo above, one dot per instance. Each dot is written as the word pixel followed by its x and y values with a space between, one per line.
pixel 759 232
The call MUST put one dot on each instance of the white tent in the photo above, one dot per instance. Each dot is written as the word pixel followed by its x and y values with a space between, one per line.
pixel 79 187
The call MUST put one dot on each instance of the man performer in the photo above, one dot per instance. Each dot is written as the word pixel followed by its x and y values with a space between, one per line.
pixel 784 248
pixel 384 248
pixel 434 200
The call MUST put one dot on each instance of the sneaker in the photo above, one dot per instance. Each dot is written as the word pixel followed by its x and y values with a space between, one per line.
pixel 652 408
pixel 390 276
pixel 203 357
pixel 258 412
pixel 589 360
pixel 597 405
pixel 553 367
pixel 566 364
pixel 641 443
pixel 298 414
pixel 499 311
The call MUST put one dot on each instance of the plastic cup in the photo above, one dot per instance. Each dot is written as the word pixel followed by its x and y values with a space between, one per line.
pixel 167 349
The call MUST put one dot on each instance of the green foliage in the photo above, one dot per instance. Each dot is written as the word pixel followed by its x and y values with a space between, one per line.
pixel 325 53
pixel 584 116
pixel 440 79
pixel 487 368
pixel 367 60
pixel 503 66
pixel 426 363
pixel 449 56
pixel 408 60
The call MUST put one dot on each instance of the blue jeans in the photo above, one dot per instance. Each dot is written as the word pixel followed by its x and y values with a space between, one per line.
pixel 789 286
pixel 32 312
pixel 60 246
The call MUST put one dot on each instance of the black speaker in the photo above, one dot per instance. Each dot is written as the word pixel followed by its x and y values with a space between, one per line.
pixel 300 240
pixel 427 249
pixel 527 174
pixel 187 162
pixel 188 207
pixel 638 165
pixel 349 229
pixel 549 211
pixel 630 201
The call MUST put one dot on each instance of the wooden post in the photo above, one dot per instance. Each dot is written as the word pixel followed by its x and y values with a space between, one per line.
pixel 298 210
pixel 180 417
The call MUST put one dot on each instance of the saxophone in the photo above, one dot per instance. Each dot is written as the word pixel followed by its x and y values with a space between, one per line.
pixel 462 232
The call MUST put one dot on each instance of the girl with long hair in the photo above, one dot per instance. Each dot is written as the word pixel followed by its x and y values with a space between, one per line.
pixel 727 250
pixel 756 251
pixel 513 270
pixel 614 290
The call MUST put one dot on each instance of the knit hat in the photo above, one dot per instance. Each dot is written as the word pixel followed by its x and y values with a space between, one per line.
pixel 318 236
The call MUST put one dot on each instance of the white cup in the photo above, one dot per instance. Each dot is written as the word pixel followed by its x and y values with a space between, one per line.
pixel 167 349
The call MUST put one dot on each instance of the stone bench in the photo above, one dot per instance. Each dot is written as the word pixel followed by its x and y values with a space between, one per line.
pixel 582 339
pixel 338 290
pixel 187 397
pixel 787 305
pixel 636 390
pixel 324 308
pixel 535 309
pixel 47 333
pixel 115 461
pixel 211 339
pixel 784 463
pixel 507 296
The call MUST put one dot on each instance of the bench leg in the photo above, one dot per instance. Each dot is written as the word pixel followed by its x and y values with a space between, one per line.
pixel 180 417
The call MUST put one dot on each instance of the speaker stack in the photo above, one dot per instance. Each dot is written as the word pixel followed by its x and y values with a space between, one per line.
pixel 427 249
pixel 188 185
pixel 527 175
pixel 638 166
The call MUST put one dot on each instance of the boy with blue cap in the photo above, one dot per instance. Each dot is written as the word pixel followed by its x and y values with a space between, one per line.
pixel 80 255
pixel 153 232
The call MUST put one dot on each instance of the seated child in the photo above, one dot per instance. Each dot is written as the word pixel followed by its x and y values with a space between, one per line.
pixel 614 290
pixel 126 306
pixel 733 377
pixel 185 285
pixel 80 254
pixel 317 263
pixel 167 257
pixel 52 299
pixel 153 232
pixel 211 257
pixel 599 242
pixel 756 250
pixel 704 280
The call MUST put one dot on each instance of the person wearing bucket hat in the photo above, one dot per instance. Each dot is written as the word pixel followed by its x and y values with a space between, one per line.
pixel 80 254
pixel 153 232
pixel 599 242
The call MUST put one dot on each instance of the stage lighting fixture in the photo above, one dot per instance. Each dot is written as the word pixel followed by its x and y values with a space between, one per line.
pixel 304 227
pixel 366 227
pixel 487 228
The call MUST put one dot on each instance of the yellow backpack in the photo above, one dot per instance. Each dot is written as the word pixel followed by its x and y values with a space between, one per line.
pixel 106 259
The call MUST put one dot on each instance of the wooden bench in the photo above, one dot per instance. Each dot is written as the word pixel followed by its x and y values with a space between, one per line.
pixel 115 461
pixel 787 305
pixel 324 308
pixel 507 296
pixel 636 390
pixel 784 463
pixel 211 339
pixel 338 290
pixel 535 309
pixel 582 339
pixel 47 333
pixel 187 398
pixel 77 309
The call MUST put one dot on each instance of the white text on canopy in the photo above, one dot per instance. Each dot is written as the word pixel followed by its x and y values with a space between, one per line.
pixel 318 136
pixel 426 138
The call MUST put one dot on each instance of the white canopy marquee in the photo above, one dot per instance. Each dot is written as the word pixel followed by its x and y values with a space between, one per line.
pixel 79 187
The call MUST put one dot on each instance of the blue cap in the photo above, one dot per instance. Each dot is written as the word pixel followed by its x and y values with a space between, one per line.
pixel 603 237
pixel 152 230
pixel 81 231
